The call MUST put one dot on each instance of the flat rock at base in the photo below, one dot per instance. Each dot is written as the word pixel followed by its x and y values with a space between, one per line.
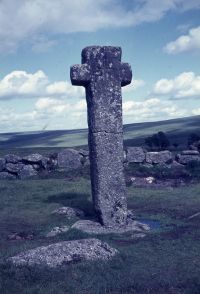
pixel 92 227
pixel 65 252
pixel 69 212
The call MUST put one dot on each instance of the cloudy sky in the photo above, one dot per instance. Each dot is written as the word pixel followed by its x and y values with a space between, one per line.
pixel 41 39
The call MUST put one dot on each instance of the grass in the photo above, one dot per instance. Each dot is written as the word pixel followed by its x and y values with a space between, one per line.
pixel 165 261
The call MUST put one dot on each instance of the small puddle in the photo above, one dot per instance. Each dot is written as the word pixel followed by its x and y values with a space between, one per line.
pixel 153 224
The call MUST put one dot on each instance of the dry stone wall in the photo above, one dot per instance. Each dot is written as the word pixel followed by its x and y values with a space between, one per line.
pixel 16 167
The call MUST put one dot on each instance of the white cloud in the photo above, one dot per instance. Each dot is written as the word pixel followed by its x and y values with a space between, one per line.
pixel 187 84
pixel 20 84
pixel 196 111
pixel 32 21
pixel 51 106
pixel 133 86
pixel 49 112
pixel 185 43
pixel 151 109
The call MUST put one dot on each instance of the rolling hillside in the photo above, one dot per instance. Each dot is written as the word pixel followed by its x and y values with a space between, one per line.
pixel 134 134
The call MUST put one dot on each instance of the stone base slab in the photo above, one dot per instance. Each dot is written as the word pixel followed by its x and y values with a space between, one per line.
pixel 92 227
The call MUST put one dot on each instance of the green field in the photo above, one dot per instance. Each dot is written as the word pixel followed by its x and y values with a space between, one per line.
pixel 165 261
pixel 177 130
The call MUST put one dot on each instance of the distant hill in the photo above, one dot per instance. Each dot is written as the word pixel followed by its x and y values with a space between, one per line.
pixel 176 129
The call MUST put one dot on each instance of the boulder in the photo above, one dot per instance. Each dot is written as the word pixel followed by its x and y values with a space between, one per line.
pixel 190 152
pixel 69 212
pixel 185 159
pixel 27 171
pixel 84 152
pixel 135 154
pixel 69 159
pixel 36 158
pixel 14 167
pixel 12 158
pixel 33 158
pixel 7 176
pixel 65 252
pixel 2 164
pixel 159 157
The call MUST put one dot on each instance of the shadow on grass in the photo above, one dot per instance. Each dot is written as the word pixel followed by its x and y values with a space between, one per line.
pixel 74 200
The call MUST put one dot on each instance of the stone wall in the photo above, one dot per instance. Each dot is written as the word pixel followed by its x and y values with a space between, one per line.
pixel 16 167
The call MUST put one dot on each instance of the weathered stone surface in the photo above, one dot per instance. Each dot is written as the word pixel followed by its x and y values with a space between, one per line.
pixel 135 154
pixel 159 157
pixel 7 176
pixel 57 230
pixel 65 252
pixel 27 171
pixel 103 75
pixel 12 158
pixel 69 159
pixel 33 158
pixel 14 167
pixel 84 152
pixel 107 177
pixel 69 212
pixel 190 152
pixel 92 227
pixel 185 159
pixel 176 165
pixel 2 164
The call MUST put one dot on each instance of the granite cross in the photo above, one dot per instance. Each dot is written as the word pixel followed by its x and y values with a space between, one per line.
pixel 103 75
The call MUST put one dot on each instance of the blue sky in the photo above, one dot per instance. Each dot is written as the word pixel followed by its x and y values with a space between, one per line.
pixel 41 39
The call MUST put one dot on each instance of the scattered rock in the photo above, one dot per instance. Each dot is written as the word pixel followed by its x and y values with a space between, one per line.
pixel 150 180
pixel 138 235
pixel 159 157
pixel 69 212
pixel 65 252
pixel 69 159
pixel 20 236
pixel 135 154
pixel 57 230
pixel 27 171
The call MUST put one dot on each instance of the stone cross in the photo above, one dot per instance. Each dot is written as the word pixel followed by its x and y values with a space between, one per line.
pixel 103 75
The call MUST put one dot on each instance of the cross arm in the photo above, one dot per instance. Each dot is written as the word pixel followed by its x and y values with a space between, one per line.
pixel 80 74
pixel 125 74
